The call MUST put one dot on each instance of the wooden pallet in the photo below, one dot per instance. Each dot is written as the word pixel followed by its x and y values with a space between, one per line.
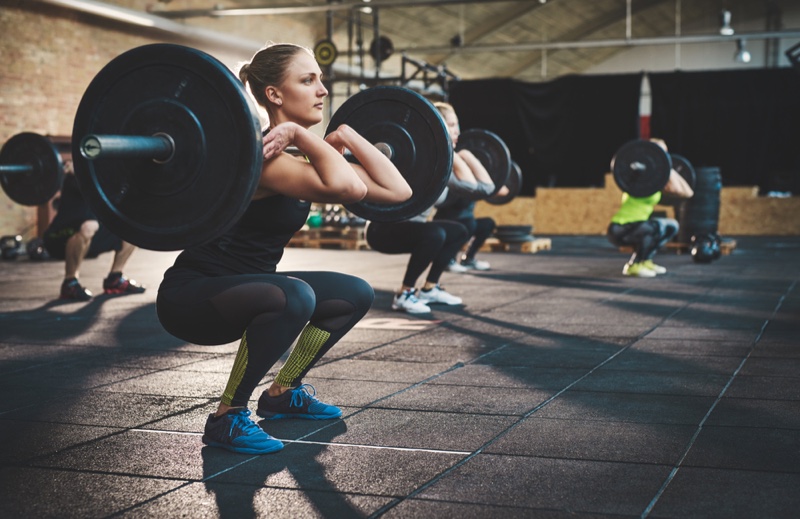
pixel 726 246
pixel 351 238
pixel 530 247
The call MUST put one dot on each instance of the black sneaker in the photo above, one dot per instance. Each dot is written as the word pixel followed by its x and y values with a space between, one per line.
pixel 237 432
pixel 299 402
pixel 72 289
pixel 118 284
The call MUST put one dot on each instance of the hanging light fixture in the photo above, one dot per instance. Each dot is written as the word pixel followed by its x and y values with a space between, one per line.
pixel 725 28
pixel 742 54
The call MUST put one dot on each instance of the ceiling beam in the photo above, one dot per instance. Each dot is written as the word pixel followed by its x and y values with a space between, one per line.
pixel 582 31
pixel 622 42
pixel 489 27
pixel 335 5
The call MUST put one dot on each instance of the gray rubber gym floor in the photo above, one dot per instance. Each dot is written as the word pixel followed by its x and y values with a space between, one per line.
pixel 559 389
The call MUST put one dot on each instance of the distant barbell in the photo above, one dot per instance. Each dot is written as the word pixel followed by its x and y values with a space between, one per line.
pixel 31 170
pixel 641 168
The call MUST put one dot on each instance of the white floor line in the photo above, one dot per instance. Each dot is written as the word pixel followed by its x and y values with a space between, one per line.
pixel 333 444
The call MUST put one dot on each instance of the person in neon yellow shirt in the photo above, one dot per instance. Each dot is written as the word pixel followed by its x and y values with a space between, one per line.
pixel 634 225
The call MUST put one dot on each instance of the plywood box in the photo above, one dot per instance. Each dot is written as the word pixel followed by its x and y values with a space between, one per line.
pixel 587 211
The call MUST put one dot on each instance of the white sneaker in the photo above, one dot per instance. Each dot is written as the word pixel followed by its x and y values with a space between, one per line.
pixel 408 302
pixel 455 266
pixel 475 264
pixel 438 295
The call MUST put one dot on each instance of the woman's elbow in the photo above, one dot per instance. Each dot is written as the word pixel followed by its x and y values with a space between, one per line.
pixel 352 193
pixel 403 193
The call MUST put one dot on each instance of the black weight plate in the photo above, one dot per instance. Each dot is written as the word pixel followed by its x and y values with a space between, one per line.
pixel 514 184
pixel 517 238
pixel 386 48
pixel 641 168
pixel 44 179
pixel 491 151
pixel 206 187
pixel 515 229
pixel 685 170
pixel 417 135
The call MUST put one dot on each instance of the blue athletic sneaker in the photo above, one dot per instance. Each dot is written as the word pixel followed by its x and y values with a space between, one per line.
pixel 299 402
pixel 237 432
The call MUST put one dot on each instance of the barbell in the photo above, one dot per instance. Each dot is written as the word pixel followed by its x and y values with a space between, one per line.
pixel 409 130
pixel 31 170
pixel 495 157
pixel 167 148
pixel 492 153
pixel 514 185
pixel 641 168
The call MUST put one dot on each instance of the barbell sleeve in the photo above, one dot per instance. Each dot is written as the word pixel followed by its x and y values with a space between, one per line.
pixel 5 169
pixel 159 147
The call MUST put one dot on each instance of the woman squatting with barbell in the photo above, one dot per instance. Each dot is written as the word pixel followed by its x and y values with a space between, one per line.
pixel 633 225
pixel 432 244
pixel 229 289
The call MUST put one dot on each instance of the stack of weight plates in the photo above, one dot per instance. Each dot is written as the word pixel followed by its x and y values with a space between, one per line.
pixel 513 233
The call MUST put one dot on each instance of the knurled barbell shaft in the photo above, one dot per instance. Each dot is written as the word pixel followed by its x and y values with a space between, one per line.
pixel 383 147
pixel 159 147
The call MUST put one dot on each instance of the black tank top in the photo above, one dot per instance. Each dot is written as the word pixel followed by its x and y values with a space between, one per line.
pixel 255 244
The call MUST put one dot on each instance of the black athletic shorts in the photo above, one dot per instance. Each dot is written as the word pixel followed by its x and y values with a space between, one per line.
pixel 55 241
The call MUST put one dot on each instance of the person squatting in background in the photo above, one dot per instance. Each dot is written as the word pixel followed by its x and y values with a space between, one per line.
pixel 229 289
pixel 75 234
pixel 432 243
pixel 634 225
pixel 459 205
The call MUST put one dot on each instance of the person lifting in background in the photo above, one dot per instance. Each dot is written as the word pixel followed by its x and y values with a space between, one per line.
pixel 75 234
pixel 634 225
pixel 459 205
pixel 432 243
pixel 229 289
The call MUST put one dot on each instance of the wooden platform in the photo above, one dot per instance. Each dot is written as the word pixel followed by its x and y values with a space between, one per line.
pixel 351 238
pixel 726 246
pixel 530 247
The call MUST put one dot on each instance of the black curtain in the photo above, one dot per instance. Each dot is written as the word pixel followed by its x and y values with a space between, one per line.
pixel 746 122
pixel 562 133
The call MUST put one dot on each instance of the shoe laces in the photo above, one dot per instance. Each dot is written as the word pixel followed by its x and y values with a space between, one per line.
pixel 410 294
pixel 302 394
pixel 244 423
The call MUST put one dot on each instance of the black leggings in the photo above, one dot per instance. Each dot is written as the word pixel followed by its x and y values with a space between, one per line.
pixel 645 237
pixel 272 309
pixel 479 229
pixel 430 243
